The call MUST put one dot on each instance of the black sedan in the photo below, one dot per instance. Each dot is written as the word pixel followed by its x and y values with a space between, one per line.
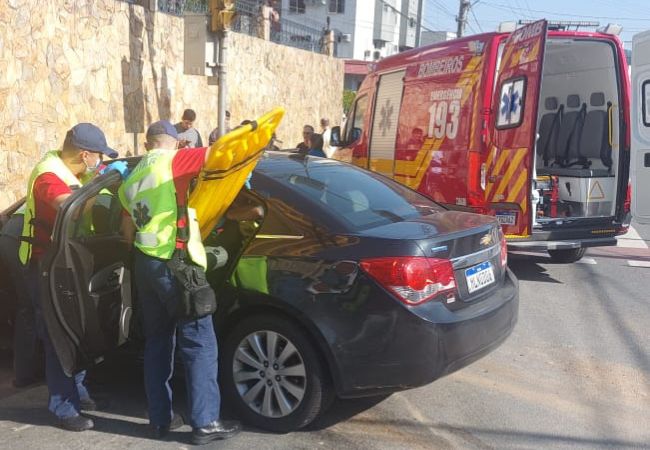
pixel 352 285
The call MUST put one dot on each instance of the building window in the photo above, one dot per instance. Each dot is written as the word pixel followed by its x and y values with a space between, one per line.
pixel 337 6
pixel 297 6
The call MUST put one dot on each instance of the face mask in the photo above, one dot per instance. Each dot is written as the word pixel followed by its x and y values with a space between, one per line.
pixel 91 169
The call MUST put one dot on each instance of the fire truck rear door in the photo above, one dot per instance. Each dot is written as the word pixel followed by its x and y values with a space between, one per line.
pixel 640 157
pixel 510 159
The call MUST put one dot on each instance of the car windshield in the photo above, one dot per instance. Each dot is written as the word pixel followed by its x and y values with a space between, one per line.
pixel 362 199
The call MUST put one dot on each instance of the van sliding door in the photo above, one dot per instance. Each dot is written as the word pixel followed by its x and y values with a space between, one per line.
pixel 514 106
pixel 381 151
pixel 640 157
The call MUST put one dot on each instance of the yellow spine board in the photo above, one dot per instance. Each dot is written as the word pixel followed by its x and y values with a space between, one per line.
pixel 230 160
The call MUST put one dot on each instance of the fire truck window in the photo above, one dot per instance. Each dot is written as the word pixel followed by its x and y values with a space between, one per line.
pixel 511 105
pixel 645 99
pixel 358 119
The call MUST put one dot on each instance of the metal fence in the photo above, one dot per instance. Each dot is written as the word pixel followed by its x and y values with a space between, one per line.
pixel 180 7
pixel 285 32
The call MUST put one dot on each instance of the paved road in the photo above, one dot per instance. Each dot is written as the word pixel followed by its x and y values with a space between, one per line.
pixel 574 374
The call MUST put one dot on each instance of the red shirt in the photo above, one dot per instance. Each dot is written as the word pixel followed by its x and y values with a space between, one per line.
pixel 186 165
pixel 47 187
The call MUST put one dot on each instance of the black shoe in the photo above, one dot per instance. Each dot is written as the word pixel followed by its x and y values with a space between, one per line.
pixel 160 431
pixel 89 404
pixel 219 429
pixel 76 423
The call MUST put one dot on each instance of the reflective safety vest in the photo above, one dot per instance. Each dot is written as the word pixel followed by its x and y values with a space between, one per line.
pixel 149 195
pixel 51 163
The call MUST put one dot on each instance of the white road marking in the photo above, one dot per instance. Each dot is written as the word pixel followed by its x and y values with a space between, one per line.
pixel 631 239
pixel 586 261
pixel 638 263
pixel 24 427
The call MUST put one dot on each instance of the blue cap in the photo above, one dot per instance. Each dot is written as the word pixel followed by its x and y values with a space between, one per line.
pixel 162 127
pixel 89 137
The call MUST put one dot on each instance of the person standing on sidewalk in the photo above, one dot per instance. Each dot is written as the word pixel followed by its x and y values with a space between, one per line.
pixel 155 197
pixel 326 132
pixel 188 136
pixel 50 184
pixel 303 147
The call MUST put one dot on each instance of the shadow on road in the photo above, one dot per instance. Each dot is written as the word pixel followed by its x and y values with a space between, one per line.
pixel 344 409
pixel 528 267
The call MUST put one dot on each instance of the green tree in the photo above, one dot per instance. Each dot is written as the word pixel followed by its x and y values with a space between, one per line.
pixel 348 99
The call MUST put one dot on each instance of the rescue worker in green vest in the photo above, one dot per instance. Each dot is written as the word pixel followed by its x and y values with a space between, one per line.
pixel 28 360
pixel 50 184
pixel 151 196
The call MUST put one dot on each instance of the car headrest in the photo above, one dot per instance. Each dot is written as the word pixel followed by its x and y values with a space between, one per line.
pixel 597 99
pixel 551 103
pixel 573 101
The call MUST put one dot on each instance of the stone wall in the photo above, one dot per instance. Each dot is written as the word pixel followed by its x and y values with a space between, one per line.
pixel 120 66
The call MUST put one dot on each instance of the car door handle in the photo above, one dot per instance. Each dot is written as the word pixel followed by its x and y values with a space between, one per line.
pixel 646 160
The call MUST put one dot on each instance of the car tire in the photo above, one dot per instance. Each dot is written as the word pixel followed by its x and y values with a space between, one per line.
pixel 567 255
pixel 243 371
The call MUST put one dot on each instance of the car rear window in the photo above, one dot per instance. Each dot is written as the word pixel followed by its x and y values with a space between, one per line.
pixel 362 199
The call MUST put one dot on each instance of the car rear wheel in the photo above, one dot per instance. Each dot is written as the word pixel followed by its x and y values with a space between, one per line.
pixel 273 376
pixel 567 255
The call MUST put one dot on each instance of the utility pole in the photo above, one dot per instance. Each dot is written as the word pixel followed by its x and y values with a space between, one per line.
pixel 418 27
pixel 222 13
pixel 463 9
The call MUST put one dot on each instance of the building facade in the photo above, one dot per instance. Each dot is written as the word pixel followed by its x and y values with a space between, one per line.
pixel 365 30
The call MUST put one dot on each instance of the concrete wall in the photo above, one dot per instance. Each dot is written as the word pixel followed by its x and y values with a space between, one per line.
pixel 121 67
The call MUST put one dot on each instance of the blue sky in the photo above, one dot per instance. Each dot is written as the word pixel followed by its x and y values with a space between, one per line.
pixel 633 15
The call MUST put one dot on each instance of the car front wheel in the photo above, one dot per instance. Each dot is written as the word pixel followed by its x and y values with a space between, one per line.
pixel 273 375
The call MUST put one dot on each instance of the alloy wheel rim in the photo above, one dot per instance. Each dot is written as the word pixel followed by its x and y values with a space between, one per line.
pixel 269 374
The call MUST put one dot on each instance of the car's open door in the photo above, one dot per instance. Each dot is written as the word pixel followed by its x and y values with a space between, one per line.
pixel 509 163
pixel 85 277
pixel 640 157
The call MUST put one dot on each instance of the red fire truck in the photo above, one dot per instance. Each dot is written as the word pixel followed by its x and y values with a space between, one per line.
pixel 531 126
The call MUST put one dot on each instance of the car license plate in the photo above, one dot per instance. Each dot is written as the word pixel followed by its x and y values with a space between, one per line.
pixel 507 217
pixel 479 276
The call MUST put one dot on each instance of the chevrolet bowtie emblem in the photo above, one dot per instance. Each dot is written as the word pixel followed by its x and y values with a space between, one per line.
pixel 487 240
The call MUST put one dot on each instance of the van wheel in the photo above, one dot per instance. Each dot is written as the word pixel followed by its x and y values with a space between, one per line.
pixel 568 255
pixel 273 375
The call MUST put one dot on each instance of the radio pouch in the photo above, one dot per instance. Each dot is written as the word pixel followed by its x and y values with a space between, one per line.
pixel 196 297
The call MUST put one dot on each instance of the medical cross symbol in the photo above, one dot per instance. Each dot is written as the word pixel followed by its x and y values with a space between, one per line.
pixel 386 116
pixel 141 214
pixel 510 103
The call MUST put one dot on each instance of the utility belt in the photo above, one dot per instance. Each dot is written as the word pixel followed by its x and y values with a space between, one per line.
pixel 197 298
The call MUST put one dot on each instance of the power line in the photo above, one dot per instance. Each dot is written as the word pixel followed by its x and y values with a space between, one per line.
pixel 555 13
pixel 480 28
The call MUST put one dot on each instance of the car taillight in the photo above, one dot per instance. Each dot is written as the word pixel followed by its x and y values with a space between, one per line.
pixel 504 250
pixel 413 280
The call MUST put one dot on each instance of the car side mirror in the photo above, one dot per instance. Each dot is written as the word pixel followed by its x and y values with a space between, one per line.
pixel 335 137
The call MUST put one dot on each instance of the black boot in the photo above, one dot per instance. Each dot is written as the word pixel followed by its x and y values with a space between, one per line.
pixel 76 423
pixel 90 404
pixel 160 431
pixel 219 429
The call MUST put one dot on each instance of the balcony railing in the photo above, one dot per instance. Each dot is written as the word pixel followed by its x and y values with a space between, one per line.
pixel 248 21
